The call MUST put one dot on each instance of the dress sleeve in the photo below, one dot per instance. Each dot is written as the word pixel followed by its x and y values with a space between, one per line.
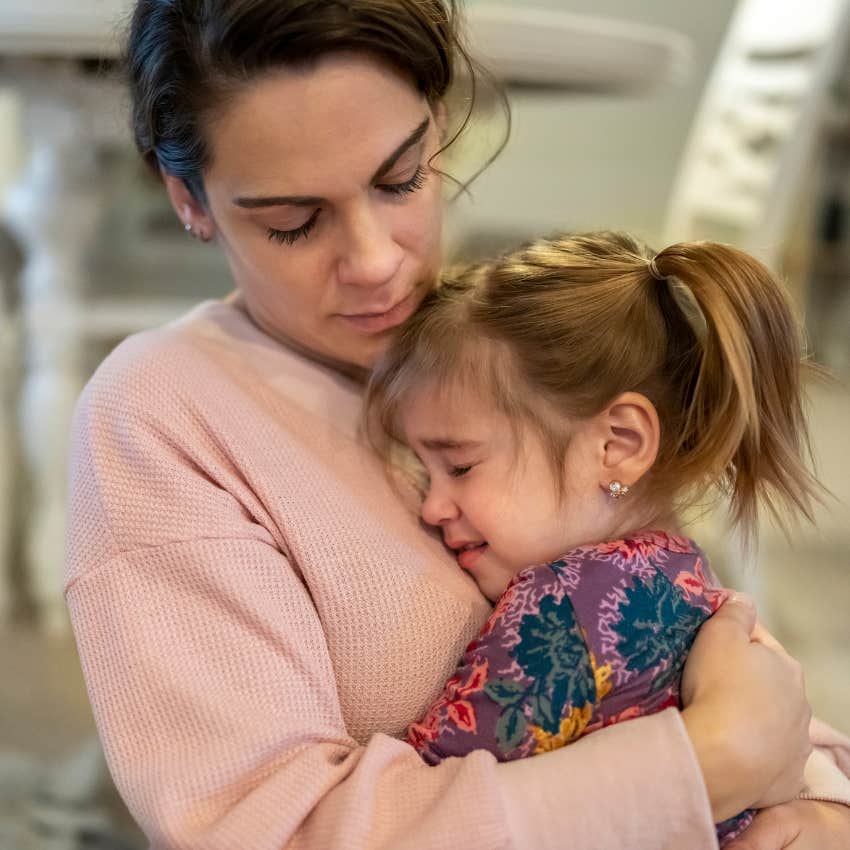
pixel 215 695
pixel 526 685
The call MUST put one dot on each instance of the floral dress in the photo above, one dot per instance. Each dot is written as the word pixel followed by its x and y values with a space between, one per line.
pixel 598 636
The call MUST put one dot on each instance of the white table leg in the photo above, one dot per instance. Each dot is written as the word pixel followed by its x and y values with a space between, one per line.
pixel 56 210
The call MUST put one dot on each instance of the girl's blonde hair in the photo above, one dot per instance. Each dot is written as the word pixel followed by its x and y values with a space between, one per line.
pixel 562 326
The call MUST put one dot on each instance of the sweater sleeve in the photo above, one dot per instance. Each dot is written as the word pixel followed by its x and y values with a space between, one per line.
pixel 828 768
pixel 214 690
pixel 231 736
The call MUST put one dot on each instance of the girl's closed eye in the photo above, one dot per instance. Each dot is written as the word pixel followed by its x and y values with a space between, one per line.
pixel 460 470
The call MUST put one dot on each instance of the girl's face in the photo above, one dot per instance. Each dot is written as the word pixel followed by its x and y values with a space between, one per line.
pixel 496 502
pixel 321 195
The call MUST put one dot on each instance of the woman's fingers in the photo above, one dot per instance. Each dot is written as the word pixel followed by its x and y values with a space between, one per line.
pixel 746 712
pixel 798 825
pixel 771 829
pixel 740 609
pixel 764 637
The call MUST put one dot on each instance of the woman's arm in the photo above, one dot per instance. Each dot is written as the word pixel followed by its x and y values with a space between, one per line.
pixel 215 699
pixel 215 692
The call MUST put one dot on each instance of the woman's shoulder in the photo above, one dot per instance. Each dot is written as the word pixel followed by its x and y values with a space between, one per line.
pixel 189 351
pixel 216 358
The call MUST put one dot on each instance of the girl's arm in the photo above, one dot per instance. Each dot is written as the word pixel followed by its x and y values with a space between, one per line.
pixel 526 685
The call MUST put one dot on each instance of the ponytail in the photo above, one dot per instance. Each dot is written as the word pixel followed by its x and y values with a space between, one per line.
pixel 742 421
pixel 558 328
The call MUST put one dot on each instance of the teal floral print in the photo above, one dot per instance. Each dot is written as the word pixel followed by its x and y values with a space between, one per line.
pixel 656 624
pixel 553 653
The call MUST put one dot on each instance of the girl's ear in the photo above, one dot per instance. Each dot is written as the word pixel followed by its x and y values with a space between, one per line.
pixel 632 434
pixel 191 213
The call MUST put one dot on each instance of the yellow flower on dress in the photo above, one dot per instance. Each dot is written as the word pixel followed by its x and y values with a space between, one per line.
pixel 603 677
pixel 571 728
pixel 576 721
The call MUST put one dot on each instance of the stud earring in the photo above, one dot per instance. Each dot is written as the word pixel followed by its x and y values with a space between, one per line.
pixel 616 490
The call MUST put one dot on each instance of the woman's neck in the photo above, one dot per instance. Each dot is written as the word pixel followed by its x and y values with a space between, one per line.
pixel 359 374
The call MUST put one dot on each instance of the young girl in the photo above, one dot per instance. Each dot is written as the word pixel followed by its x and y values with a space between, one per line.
pixel 566 402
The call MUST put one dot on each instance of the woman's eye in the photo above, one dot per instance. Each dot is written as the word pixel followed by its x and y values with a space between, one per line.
pixel 415 182
pixel 459 471
pixel 290 237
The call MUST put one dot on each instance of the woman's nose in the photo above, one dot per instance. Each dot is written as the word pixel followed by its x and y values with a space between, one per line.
pixel 437 507
pixel 370 256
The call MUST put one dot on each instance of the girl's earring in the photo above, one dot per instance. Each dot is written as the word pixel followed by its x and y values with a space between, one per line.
pixel 616 490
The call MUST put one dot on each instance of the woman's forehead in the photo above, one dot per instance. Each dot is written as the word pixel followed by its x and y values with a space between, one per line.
pixel 313 128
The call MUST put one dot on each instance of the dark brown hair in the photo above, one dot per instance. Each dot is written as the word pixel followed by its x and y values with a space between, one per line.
pixel 185 58
pixel 561 327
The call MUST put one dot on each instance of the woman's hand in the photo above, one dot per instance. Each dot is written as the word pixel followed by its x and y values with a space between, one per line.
pixel 746 712
pixel 798 825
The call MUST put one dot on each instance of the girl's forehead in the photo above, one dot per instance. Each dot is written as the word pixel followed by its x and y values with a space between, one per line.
pixel 448 411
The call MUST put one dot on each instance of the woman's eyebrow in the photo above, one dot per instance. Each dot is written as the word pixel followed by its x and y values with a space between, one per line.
pixel 409 142
pixel 314 200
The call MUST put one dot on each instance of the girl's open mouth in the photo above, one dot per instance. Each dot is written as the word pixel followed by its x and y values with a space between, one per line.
pixel 468 556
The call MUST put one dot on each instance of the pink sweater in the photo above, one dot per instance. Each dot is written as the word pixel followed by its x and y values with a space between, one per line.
pixel 259 619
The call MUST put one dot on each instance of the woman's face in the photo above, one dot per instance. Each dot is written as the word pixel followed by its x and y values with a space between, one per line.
pixel 321 194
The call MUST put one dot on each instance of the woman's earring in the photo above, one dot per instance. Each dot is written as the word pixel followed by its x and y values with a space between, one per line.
pixel 616 490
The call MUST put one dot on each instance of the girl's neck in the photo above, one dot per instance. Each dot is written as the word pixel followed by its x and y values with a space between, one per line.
pixel 637 521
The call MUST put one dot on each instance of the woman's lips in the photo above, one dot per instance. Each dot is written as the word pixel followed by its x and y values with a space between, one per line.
pixel 467 558
pixel 374 323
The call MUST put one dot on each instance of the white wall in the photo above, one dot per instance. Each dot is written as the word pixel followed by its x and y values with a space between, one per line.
pixel 587 161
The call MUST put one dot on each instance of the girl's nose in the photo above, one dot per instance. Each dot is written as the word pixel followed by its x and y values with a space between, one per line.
pixel 437 508
pixel 370 256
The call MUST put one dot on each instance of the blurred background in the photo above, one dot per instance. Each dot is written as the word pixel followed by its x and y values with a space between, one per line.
pixel 727 120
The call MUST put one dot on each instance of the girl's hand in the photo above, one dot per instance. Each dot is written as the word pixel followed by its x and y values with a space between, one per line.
pixel 798 825
pixel 746 713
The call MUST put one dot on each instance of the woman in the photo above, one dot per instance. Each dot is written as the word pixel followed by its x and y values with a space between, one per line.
pixel 258 616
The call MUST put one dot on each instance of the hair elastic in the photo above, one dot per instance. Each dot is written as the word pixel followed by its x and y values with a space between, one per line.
pixel 653 270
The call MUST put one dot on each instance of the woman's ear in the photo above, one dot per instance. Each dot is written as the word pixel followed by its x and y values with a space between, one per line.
pixel 191 212
pixel 632 434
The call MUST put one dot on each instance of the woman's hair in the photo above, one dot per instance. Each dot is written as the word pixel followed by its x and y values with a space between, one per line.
pixel 561 327
pixel 186 58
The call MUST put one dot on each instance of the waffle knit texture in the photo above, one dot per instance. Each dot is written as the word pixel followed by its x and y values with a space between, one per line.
pixel 260 617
